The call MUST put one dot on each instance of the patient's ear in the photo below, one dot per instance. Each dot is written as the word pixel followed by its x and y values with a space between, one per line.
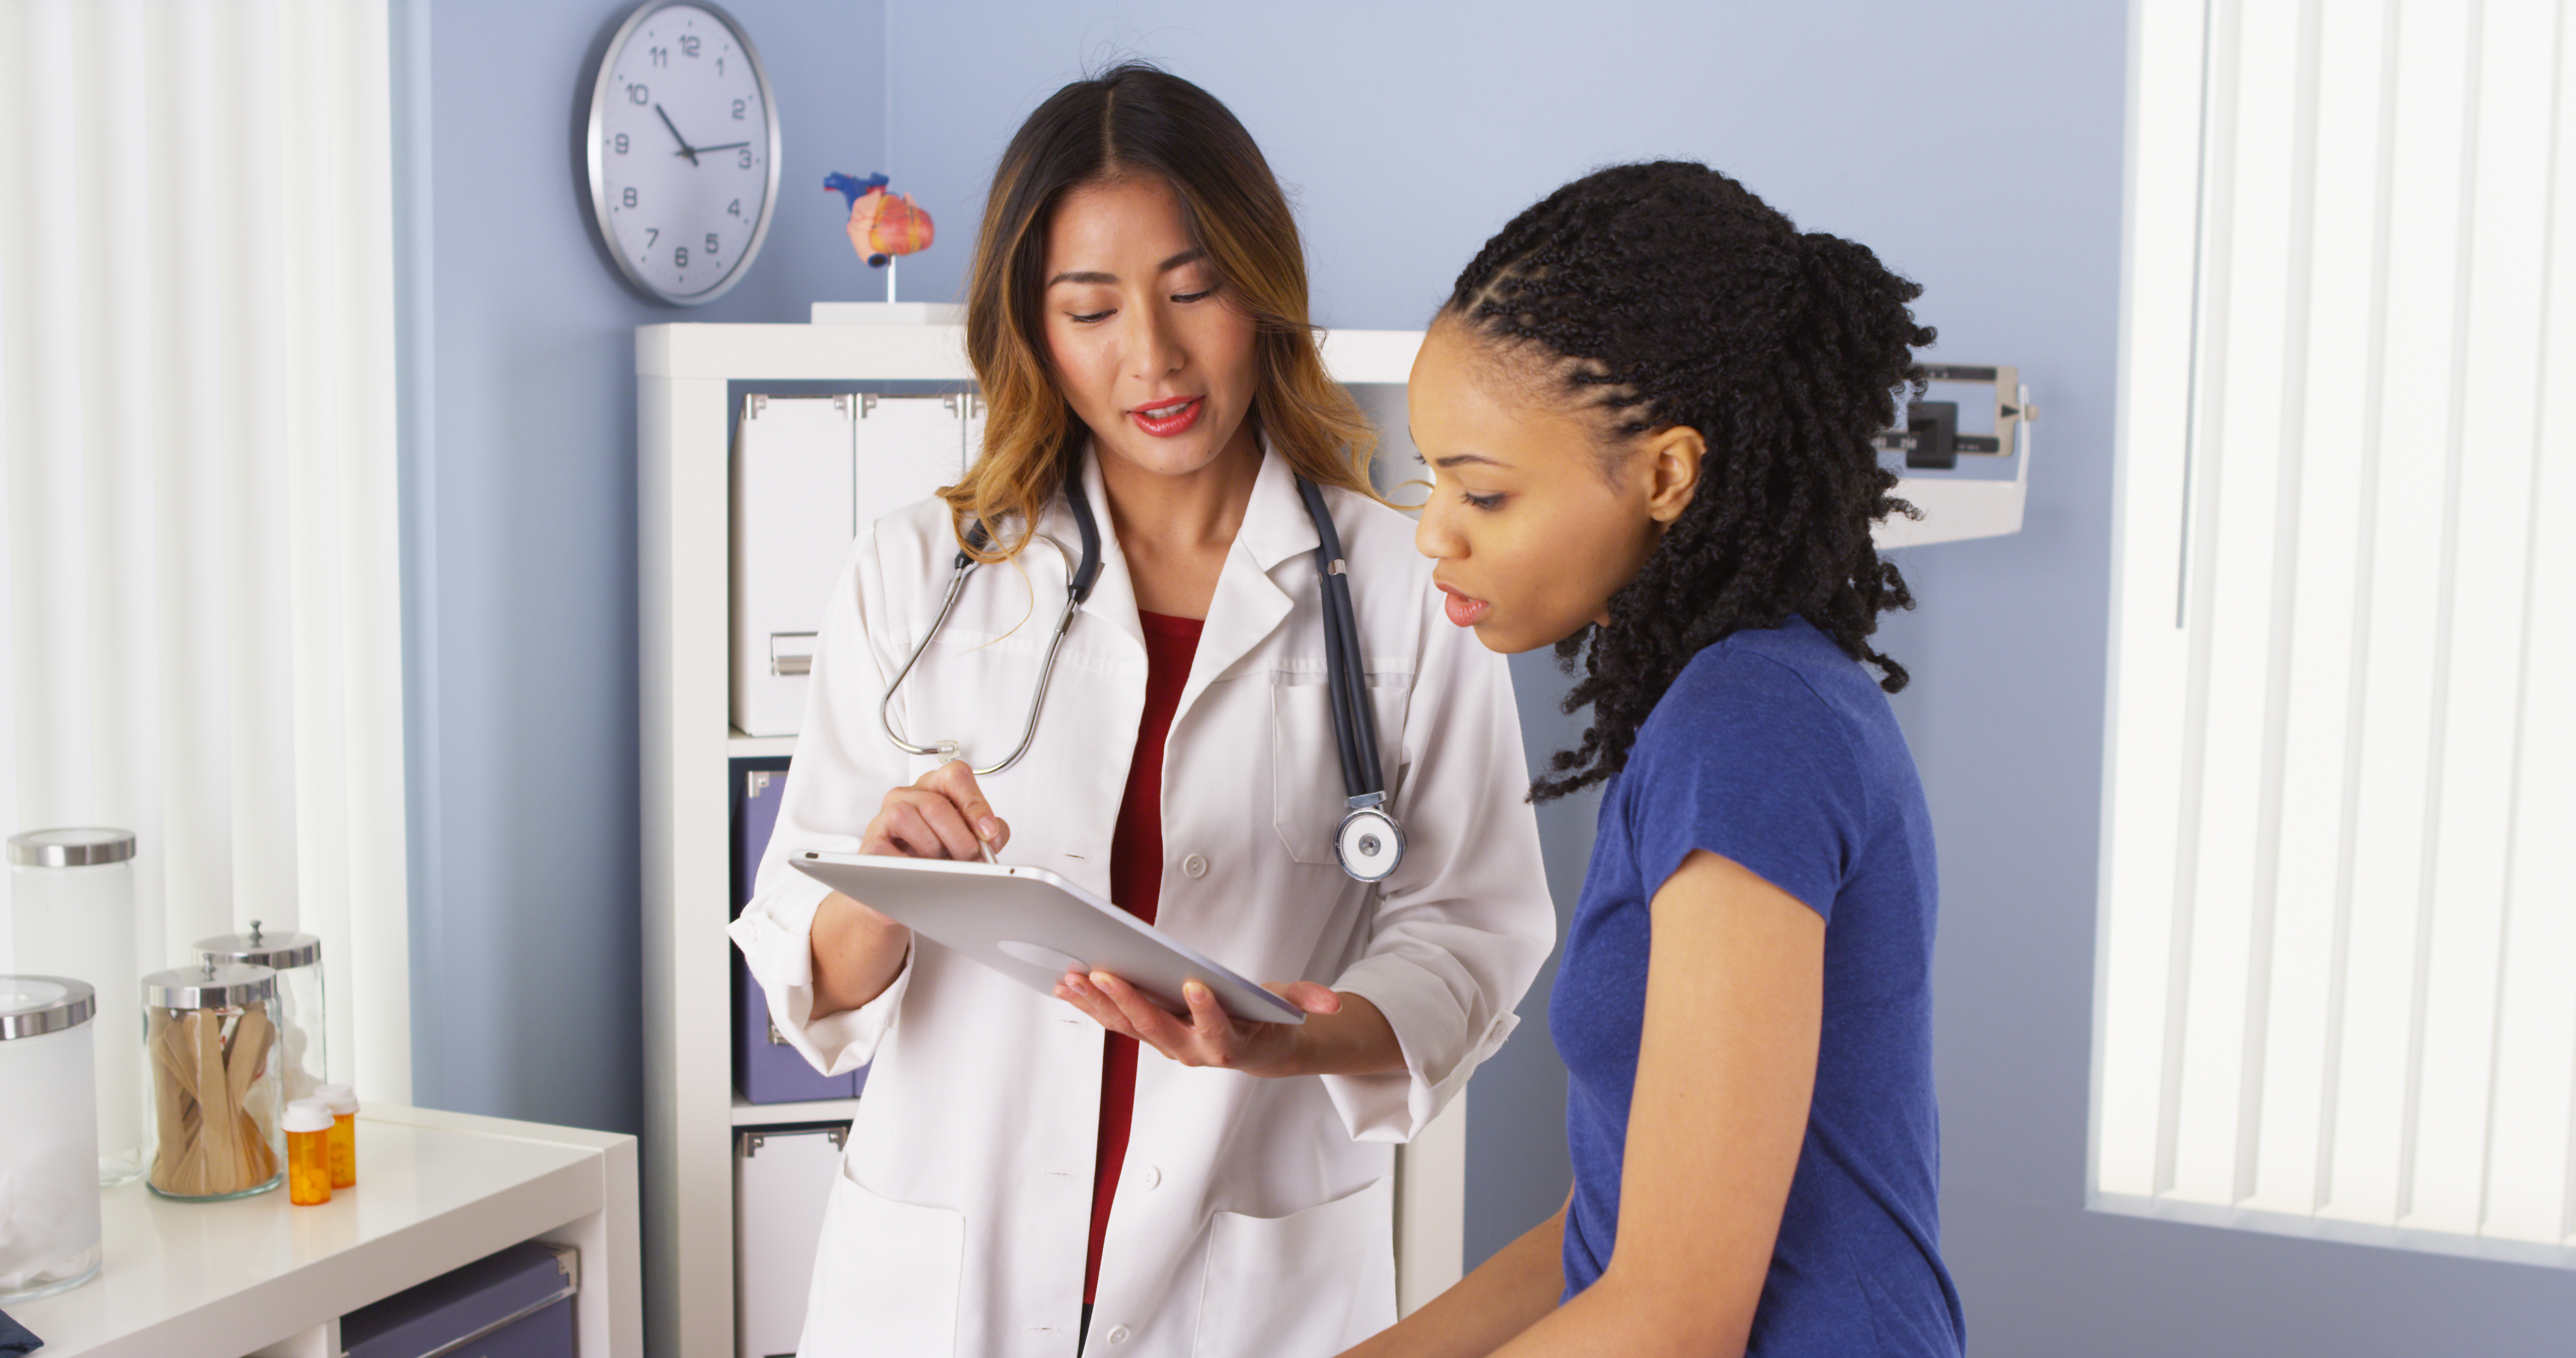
pixel 1671 461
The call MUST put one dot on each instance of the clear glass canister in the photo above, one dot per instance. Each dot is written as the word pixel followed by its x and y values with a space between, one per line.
pixel 210 1034
pixel 297 960
pixel 71 906
pixel 49 1223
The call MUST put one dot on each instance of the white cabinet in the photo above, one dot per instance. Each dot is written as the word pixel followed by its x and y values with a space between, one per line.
pixel 435 1191
pixel 691 380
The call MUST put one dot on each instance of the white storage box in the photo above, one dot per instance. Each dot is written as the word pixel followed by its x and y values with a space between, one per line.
pixel 807 472
pixel 782 1178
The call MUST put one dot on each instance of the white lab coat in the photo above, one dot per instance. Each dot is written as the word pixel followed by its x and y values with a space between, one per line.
pixel 1253 1215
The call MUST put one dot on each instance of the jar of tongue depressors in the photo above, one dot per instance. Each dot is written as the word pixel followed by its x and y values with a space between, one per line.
pixel 210 1036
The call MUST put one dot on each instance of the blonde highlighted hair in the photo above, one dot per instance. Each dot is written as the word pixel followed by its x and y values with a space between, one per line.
pixel 1136 120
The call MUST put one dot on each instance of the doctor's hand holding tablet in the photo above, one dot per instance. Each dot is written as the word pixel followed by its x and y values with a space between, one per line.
pixel 1189 1008
pixel 1162 646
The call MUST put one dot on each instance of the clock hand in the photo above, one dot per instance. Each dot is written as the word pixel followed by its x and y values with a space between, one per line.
pixel 728 146
pixel 685 149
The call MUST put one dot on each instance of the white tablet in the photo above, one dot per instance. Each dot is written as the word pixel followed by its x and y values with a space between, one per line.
pixel 1033 926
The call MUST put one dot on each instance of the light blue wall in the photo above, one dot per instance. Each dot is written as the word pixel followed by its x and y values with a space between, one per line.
pixel 1976 144
pixel 520 602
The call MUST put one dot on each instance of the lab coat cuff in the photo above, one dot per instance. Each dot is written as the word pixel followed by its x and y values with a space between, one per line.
pixel 1439 1052
pixel 847 1040
pixel 777 941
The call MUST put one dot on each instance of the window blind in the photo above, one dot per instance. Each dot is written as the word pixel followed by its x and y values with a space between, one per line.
pixel 199 588
pixel 2336 991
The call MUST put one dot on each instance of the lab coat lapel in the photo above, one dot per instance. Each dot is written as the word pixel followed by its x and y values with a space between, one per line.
pixel 1249 604
pixel 1113 595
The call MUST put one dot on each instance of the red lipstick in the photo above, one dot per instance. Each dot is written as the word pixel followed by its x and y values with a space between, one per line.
pixel 1168 418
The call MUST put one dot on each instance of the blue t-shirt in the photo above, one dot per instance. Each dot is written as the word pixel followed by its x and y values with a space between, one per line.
pixel 1776 750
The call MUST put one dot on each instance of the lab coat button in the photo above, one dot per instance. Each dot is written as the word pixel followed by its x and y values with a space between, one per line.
pixel 1118 1334
pixel 1194 866
pixel 1149 1177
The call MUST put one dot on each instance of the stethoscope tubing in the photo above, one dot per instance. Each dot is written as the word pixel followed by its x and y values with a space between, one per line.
pixel 1354 717
pixel 1046 673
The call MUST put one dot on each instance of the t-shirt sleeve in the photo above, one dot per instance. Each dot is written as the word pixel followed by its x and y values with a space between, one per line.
pixel 1743 759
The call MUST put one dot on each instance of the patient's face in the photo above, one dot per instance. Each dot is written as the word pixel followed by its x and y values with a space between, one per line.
pixel 1534 522
pixel 1146 342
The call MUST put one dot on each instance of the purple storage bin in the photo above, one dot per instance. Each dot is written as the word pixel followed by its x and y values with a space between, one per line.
pixel 514 1304
pixel 766 1069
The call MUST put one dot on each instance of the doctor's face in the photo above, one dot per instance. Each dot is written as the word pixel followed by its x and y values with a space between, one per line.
pixel 1147 347
pixel 1534 523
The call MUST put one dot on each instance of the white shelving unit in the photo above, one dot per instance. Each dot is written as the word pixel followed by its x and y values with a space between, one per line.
pixel 683 376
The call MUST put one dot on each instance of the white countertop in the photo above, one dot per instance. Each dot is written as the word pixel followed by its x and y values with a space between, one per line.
pixel 435 1191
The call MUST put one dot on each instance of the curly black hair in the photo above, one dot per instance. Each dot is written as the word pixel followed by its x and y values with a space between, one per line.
pixel 1667 294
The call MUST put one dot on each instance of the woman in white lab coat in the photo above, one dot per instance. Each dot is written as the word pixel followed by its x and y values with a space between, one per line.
pixel 1015 1176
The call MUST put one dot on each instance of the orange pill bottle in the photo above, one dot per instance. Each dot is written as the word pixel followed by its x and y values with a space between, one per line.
pixel 308 1152
pixel 344 1133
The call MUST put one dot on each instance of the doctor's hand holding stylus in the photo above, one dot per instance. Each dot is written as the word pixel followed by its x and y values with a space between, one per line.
pixel 944 814
pixel 858 952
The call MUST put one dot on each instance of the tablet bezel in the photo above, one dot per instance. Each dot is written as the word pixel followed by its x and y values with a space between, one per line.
pixel 938 899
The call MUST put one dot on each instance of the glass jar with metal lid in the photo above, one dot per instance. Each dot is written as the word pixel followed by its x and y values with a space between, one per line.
pixel 210 1034
pixel 297 960
pixel 49 1242
pixel 71 908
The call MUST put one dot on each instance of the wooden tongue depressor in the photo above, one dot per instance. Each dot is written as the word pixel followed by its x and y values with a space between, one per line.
pixel 171 1103
pixel 252 1036
pixel 211 1159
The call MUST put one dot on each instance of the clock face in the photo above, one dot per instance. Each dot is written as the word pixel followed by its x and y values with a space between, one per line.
pixel 683 154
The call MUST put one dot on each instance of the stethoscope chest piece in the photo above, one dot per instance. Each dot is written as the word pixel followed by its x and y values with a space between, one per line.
pixel 1369 844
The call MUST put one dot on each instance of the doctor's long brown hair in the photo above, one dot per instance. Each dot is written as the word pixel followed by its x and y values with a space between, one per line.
pixel 1137 120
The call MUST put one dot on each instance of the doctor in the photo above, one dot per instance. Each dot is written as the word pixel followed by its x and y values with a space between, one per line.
pixel 1023 1178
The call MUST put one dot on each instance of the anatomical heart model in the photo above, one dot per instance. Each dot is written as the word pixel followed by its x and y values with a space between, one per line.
pixel 882 224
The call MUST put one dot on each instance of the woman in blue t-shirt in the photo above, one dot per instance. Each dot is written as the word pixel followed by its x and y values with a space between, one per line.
pixel 1648 406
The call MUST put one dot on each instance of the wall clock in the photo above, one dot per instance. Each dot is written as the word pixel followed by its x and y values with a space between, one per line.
pixel 683 151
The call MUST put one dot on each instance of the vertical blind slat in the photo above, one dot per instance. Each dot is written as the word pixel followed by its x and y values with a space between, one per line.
pixel 2163 207
pixel 2298 271
pixel 133 107
pixel 2404 540
pixel 2490 542
pixel 197 714
pixel 2191 939
pixel 369 550
pixel 266 685
pixel 2443 539
pixel 2240 474
pixel 2530 1191
pixel 2307 872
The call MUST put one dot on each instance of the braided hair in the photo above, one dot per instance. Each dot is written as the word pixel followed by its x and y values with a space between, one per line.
pixel 1666 294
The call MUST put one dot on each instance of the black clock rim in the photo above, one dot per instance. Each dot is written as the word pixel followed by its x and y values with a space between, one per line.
pixel 594 159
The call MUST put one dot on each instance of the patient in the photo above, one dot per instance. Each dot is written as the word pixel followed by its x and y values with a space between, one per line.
pixel 1648 407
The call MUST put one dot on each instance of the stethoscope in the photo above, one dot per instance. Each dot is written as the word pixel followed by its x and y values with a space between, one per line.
pixel 1368 843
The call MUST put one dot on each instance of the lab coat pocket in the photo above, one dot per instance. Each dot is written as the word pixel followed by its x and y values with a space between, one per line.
pixel 1306 794
pixel 1311 1283
pixel 886 1277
